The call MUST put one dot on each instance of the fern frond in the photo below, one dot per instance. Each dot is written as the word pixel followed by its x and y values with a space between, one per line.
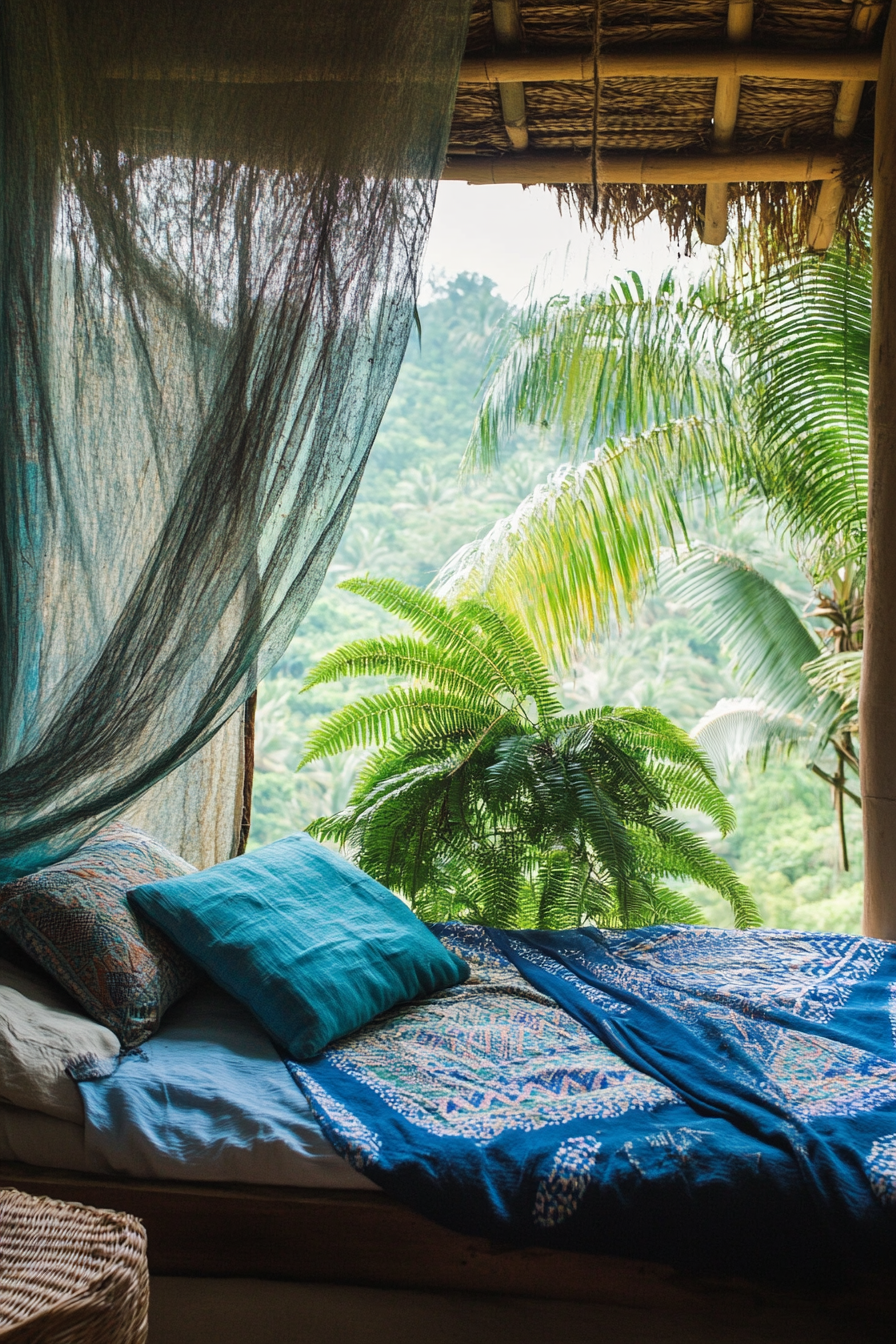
pixel 400 655
pixel 665 905
pixel 447 627
pixel 670 849
pixel 509 644
pixel 376 719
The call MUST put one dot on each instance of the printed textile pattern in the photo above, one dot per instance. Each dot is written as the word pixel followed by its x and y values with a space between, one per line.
pixel 881 1166
pixel 624 1091
pixel 489 1056
pixel 559 1193
pixel 74 920
pixel 774 995
pixel 772 971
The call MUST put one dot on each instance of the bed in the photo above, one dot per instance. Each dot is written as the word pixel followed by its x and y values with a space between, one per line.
pixel 596 1114
pixel 203 1134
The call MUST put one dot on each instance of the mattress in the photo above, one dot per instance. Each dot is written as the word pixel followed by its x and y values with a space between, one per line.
pixel 206 1099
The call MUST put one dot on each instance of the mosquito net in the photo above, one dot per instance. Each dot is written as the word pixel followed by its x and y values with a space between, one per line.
pixel 211 221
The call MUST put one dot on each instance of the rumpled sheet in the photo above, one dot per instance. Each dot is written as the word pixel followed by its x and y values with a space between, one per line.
pixel 704 1097
pixel 208 1099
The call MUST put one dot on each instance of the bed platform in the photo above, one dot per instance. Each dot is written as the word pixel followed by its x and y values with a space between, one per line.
pixel 364 1239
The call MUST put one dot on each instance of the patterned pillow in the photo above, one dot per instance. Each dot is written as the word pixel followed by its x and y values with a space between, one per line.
pixel 75 921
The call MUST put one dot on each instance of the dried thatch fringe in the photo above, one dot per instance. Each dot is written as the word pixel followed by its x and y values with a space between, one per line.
pixel 675 115
pixel 781 210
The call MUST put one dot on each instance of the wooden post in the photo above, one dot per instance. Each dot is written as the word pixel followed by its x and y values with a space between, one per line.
pixel 877 705
pixel 826 215
pixel 724 120
pixel 508 37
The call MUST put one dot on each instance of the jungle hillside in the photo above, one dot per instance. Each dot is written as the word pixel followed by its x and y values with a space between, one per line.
pixel 415 510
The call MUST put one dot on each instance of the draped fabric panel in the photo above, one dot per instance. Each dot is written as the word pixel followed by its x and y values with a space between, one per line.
pixel 211 222
pixel 197 809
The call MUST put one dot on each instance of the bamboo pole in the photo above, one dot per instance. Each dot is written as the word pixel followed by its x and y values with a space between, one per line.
pixel 546 67
pixel 724 121
pixel 575 67
pixel 509 37
pixel 877 702
pixel 653 169
pixel 826 214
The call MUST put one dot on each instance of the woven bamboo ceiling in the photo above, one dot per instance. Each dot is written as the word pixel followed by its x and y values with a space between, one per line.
pixel 702 108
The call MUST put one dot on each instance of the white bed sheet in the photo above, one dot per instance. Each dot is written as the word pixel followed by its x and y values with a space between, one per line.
pixel 45 1141
pixel 207 1099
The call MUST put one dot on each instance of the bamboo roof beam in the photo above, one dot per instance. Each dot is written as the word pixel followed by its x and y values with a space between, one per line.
pixel 724 121
pixel 655 169
pixel 509 37
pixel 826 215
pixel 564 67
pixel 572 67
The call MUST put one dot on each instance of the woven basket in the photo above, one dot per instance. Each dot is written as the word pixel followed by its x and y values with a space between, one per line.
pixel 70 1274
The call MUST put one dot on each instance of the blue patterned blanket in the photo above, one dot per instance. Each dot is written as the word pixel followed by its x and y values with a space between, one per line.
pixel 696 1095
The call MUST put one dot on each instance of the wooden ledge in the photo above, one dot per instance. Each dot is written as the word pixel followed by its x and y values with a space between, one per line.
pixel 364 1239
pixel 357 1237
pixel 671 63
pixel 648 169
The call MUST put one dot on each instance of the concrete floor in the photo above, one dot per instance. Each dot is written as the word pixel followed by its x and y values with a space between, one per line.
pixel 251 1311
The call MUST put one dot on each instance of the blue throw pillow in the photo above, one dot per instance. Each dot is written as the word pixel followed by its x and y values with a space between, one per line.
pixel 312 945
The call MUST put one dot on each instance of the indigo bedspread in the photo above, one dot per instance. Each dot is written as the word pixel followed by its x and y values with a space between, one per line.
pixel 694 1095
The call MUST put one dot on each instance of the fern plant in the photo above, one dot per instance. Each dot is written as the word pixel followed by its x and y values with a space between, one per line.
pixel 483 801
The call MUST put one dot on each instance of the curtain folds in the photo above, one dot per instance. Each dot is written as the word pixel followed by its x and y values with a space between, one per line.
pixel 211 221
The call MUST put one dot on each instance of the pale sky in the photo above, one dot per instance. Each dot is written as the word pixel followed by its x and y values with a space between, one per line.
pixel 509 234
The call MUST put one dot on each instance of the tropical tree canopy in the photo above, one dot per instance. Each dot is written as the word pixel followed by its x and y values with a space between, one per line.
pixel 721 394
pixel 483 800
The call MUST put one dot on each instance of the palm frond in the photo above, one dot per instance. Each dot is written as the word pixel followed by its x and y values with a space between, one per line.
pixel 577 555
pixel 803 349
pixel 617 362
pixel 736 730
pixel 837 673
pixel 757 624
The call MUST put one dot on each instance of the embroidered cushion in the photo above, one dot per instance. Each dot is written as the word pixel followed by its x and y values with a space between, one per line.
pixel 312 945
pixel 75 921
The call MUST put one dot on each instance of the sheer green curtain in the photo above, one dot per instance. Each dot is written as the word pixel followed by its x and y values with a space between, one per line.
pixel 211 222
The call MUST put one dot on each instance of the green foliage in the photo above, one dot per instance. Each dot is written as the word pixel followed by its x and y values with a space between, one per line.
pixel 483 800
pixel 619 362
pixel 412 512
pixel 720 391
pixel 785 850
pixel 727 391
pixel 769 644
pixel 801 342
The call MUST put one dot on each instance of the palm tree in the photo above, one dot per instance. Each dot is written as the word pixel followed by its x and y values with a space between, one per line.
pixel 482 800
pixel 719 394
